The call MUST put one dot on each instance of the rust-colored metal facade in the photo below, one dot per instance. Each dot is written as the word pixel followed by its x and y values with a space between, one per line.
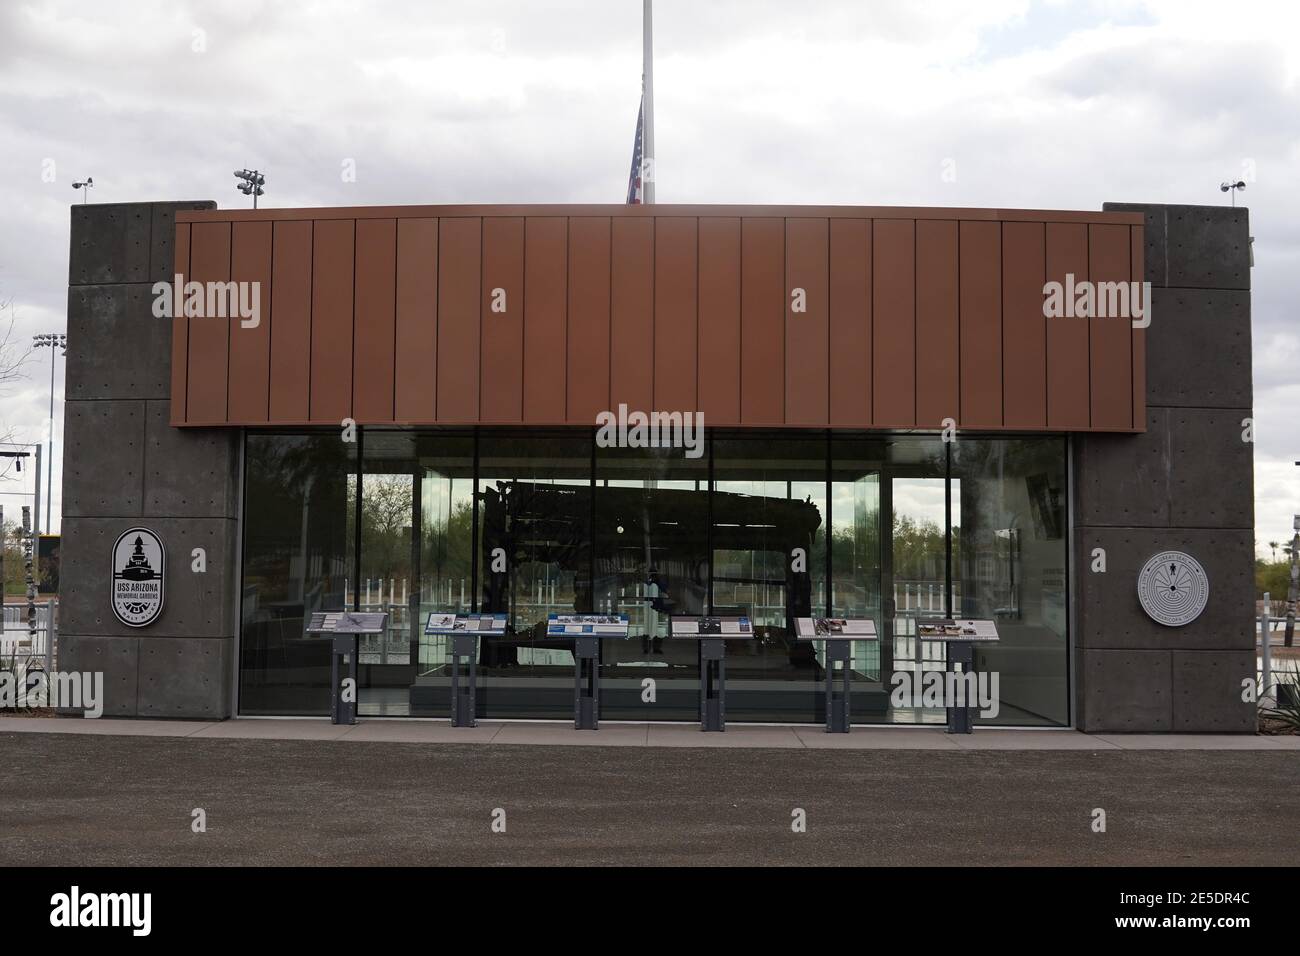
pixel 547 315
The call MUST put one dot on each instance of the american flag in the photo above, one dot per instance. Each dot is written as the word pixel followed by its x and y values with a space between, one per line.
pixel 634 191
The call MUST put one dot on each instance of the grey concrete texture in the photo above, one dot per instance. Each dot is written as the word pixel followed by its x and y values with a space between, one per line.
pixel 1207 691
pixel 194 604
pixel 1198 348
pixel 1190 468
pixel 185 677
pixel 117 658
pixel 105 800
pixel 188 471
pixel 1124 691
pixel 1111 616
pixel 103 458
pixel 123 242
pixel 120 349
pixel 124 466
pixel 1194 247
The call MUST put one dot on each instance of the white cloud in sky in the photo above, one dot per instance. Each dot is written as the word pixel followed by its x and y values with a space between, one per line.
pixel 1038 104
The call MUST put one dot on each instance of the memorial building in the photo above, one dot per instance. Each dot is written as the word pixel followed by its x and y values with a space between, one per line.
pixel 434 410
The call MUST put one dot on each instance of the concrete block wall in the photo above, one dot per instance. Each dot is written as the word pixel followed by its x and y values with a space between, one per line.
pixel 124 465
pixel 1187 484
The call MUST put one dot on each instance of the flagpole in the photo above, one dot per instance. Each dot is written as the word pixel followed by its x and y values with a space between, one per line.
pixel 648 97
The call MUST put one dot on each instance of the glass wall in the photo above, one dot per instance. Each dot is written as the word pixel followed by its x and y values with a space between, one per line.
pixel 1009 565
pixel 769 564
pixel 769 525
pixel 652 560
pixel 299 502
pixel 533 560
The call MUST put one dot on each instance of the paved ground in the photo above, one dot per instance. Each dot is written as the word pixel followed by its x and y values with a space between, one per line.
pixel 98 799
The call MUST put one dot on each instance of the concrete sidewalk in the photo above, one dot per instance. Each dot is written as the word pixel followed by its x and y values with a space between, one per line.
pixel 808 737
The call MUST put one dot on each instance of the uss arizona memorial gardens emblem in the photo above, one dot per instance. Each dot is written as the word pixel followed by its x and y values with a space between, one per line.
pixel 139 576
pixel 1173 588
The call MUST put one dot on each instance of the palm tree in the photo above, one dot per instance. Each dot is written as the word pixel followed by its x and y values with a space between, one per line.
pixel 1273 546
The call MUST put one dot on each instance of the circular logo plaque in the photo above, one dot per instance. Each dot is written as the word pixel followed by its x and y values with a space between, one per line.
pixel 1173 588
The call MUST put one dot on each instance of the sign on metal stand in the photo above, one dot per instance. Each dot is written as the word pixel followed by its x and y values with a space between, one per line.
pixel 960 638
pixel 712 633
pixel 586 631
pixel 344 629
pixel 839 635
pixel 464 631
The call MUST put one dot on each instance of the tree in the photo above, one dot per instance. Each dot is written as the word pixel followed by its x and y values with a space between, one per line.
pixel 12 358
pixel 1272 545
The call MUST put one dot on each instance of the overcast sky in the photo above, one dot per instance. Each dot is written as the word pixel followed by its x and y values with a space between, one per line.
pixel 1038 105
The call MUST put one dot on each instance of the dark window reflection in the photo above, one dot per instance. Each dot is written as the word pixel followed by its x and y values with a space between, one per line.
pixel 652 561
pixel 298 507
pixel 534 559
pixel 769 563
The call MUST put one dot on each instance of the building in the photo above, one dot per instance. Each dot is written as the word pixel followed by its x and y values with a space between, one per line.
pixel 409 422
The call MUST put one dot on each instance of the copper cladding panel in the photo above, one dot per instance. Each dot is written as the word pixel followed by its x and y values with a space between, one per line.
pixel 675 297
pixel 631 320
pixel 1024 328
pixel 545 355
pixel 850 322
pixel 905 316
pixel 250 344
pixel 209 336
pixel 589 323
pixel 1110 336
pixel 331 327
pixel 893 323
pixel 374 342
pixel 291 275
pixel 980 245
pixel 937 357
pixel 1067 337
pixel 416 321
pixel 719 320
pixel 807 332
pixel 459 277
pixel 762 321
pixel 501 385
pixel 180 325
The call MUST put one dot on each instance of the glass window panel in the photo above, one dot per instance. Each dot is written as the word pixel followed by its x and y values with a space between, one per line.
pixel 856 466
pixel 299 499
pixel 652 560
pixel 534 559
pixel 1009 565
pixel 769 562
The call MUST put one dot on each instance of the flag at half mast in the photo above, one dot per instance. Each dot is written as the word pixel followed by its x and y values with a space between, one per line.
pixel 635 193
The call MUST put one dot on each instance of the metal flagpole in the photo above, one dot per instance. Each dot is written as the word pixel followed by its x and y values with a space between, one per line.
pixel 648 96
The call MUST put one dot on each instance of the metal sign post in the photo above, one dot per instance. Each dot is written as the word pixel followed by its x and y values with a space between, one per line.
pixel 465 630
pixel 960 638
pixel 712 633
pixel 586 631
pixel 344 629
pixel 839 635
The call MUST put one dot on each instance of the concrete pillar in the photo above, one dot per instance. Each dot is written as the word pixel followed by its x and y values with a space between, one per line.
pixel 1186 484
pixel 124 465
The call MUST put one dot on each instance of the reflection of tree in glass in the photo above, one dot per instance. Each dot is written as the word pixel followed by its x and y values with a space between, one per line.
pixel 386 509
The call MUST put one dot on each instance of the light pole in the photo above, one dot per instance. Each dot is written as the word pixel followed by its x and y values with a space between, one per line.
pixel 251 184
pixel 50 340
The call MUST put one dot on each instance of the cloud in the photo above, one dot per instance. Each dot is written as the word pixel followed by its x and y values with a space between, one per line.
pixel 1041 105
